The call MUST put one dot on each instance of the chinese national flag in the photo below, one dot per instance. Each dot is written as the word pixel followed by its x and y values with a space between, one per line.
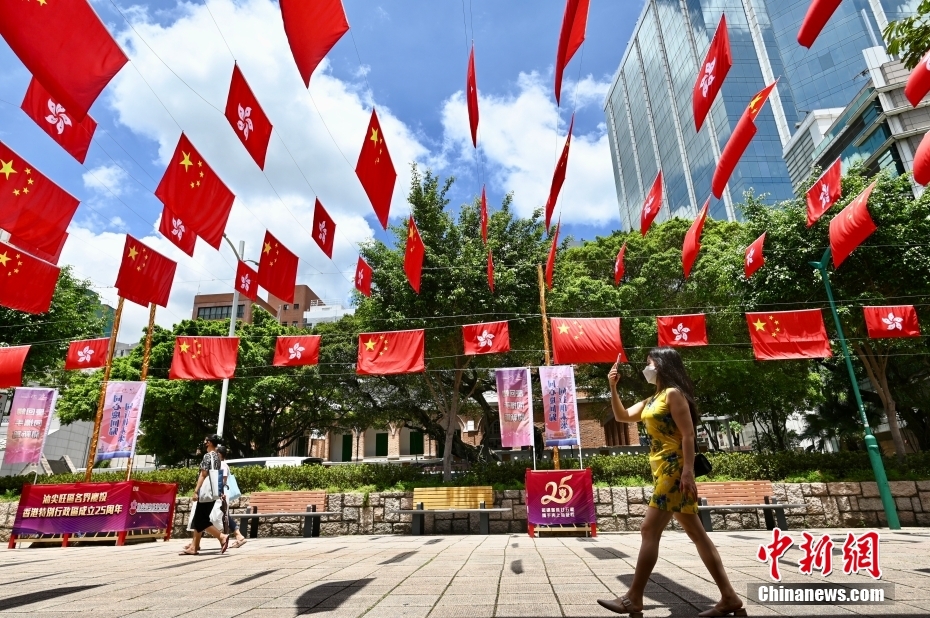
pixel 558 176
pixel 204 358
pixel 786 335
pixel 922 162
pixel 324 229
pixel 87 354
pixel 390 353
pixel 145 276
pixel 39 253
pixel 824 193
pixel 713 71
pixel 471 97
pixel 488 338
pixel 682 331
pixel 491 271
pixel 53 118
pixel 739 140
pixel 754 259
pixel 818 14
pixel 26 283
pixel 375 170
pixel 195 194
pixel 851 227
pixel 550 262
pixel 174 230
pixel 246 117
pixel 484 215
pixel 586 340
pixel 277 269
pixel 619 266
pixel 246 281
pixel 413 255
pixel 574 24
pixel 312 28
pixel 12 360
pixel 363 277
pixel 297 351
pixel 33 208
pixel 652 205
pixel 692 245
pixel 889 322
pixel 65 46
pixel 918 84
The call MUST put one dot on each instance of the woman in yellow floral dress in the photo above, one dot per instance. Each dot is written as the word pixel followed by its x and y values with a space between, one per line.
pixel 670 416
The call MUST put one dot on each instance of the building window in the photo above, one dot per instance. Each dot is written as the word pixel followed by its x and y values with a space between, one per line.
pixel 416 443
pixel 381 445
pixel 296 306
pixel 240 311
pixel 294 323
pixel 215 313
pixel 283 307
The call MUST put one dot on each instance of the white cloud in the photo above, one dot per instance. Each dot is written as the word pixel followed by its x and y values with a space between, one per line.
pixel 106 180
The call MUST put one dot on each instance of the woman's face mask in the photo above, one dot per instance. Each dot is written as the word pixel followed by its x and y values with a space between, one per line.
pixel 650 373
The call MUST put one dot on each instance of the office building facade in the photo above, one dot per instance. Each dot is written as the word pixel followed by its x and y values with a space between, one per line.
pixel 219 307
pixel 650 122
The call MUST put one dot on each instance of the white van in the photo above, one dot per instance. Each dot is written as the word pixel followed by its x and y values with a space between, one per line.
pixel 273 462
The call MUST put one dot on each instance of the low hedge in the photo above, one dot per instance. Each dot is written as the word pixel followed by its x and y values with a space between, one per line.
pixel 616 470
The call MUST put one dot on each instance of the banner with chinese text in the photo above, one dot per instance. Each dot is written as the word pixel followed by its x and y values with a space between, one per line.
pixel 560 497
pixel 515 404
pixel 30 414
pixel 559 405
pixel 122 409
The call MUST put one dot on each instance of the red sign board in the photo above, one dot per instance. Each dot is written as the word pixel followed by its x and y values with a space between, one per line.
pixel 559 497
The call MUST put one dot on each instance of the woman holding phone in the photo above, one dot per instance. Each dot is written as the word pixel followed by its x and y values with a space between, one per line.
pixel 670 416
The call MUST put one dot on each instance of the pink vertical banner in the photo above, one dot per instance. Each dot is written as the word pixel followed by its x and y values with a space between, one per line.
pixel 29 418
pixel 560 406
pixel 515 404
pixel 122 409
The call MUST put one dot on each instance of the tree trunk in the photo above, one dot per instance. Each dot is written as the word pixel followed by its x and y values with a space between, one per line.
pixel 876 366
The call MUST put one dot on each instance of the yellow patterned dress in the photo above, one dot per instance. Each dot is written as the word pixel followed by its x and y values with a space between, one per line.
pixel 665 456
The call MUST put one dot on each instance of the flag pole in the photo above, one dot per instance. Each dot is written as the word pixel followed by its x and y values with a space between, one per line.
pixel 545 331
pixel 92 450
pixel 871 444
pixel 233 314
pixel 145 374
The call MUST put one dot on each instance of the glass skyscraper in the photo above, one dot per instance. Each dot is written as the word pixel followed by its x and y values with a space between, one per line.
pixel 648 108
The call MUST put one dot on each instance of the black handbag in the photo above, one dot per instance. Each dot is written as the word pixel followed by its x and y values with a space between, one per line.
pixel 702 465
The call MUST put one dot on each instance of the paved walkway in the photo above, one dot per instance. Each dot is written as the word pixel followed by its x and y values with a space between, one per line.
pixel 506 575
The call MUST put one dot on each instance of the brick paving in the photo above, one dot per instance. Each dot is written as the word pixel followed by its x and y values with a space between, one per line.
pixel 420 577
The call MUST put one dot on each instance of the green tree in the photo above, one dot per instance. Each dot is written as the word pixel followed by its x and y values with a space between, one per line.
pixel 909 38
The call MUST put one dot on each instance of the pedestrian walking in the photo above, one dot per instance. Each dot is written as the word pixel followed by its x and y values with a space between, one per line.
pixel 670 417
pixel 206 495
pixel 232 524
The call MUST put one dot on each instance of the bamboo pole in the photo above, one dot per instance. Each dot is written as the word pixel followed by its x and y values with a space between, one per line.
pixel 545 331
pixel 92 451
pixel 145 371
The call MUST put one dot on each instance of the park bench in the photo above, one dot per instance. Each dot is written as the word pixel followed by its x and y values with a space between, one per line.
pixel 311 505
pixel 742 496
pixel 452 500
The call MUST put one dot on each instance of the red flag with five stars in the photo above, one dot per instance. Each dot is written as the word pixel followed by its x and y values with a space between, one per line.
pixel 413 255
pixel 174 230
pixel 484 215
pixel 312 28
pixel 145 275
pixel 363 277
pixel 195 194
pixel 65 46
pixel 851 226
pixel 558 176
pixel 682 331
pixel 375 170
pixel 918 83
pixel 574 24
pixel 692 245
pixel 619 266
pixel 26 282
pixel 818 14
pixel 12 360
pixel 246 281
pixel 487 338
pixel 54 119
pixel 786 335
pixel 33 208
pixel 652 205
pixel 739 140
pixel 39 253
pixel 324 229
pixel 391 353
pixel 87 354
pixel 297 351
pixel 490 271
pixel 713 71
pixel 277 269
pixel 204 358
pixel 586 340
pixel 550 261
pixel 825 192
pixel 246 117
pixel 754 259
pixel 891 322
pixel 471 97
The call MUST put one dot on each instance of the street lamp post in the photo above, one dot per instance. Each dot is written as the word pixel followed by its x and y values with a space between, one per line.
pixel 871 444
pixel 233 314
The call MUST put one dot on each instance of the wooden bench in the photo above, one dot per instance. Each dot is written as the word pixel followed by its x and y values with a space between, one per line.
pixel 452 500
pixel 311 505
pixel 742 496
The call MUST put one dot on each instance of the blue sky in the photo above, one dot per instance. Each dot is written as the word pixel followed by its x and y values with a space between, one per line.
pixel 408 58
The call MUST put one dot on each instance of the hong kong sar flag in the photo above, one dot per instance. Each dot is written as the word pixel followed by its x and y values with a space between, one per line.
pixel 681 331
pixel 363 274
pixel 53 118
pixel 247 281
pixel 247 118
pixel 324 229
pixel 87 354
pixel 895 321
pixel 174 230
pixel 710 78
pixel 824 193
pixel 297 351
pixel 488 338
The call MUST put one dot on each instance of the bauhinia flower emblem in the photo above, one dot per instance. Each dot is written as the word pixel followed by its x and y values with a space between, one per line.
pixel 824 195
pixel 648 208
pixel 751 256
pixel 245 123
pixel 58 116
pixel 485 339
pixel 323 232
pixel 295 351
pixel 245 282
pixel 708 79
pixel 893 322
pixel 360 277
pixel 177 228
pixel 681 332
pixel 85 355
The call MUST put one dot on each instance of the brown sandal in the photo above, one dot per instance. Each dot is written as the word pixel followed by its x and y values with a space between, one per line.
pixel 623 607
